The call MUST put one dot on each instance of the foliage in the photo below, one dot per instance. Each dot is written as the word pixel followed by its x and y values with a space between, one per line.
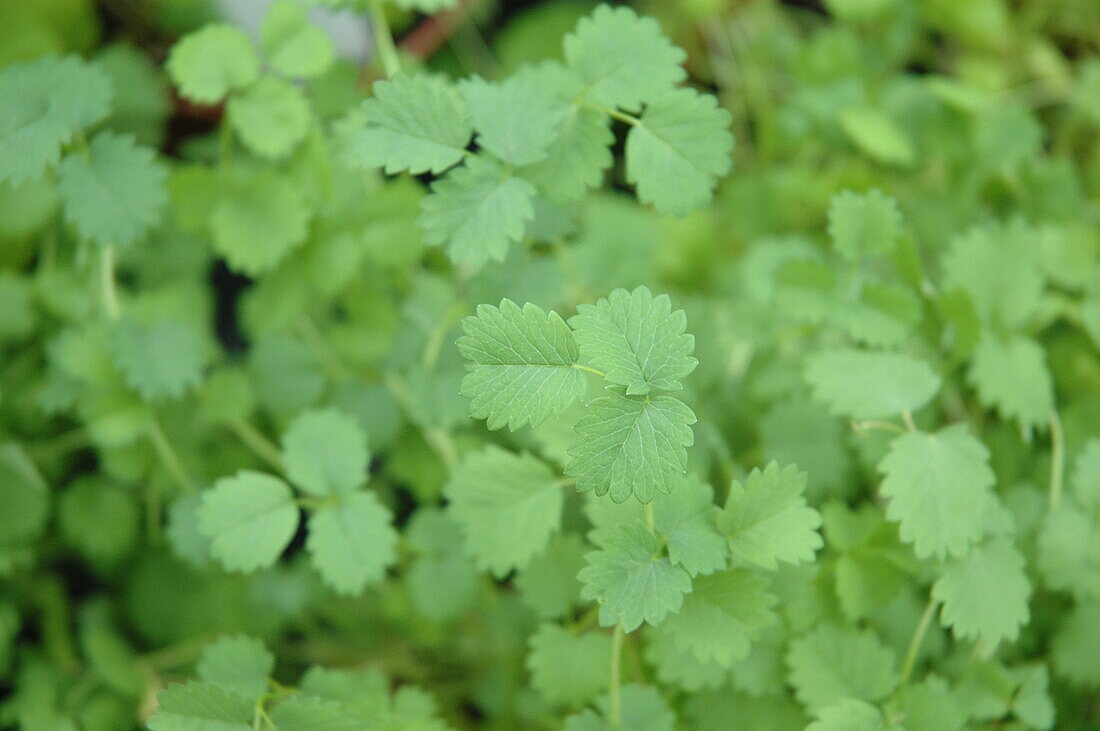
pixel 485 382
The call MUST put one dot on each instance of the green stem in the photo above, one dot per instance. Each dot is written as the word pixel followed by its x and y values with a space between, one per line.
pixel 108 291
pixel 862 427
pixel 915 643
pixel 225 150
pixel 616 703
pixel 649 515
pixel 383 39
pixel 260 445
pixel 169 458
pixel 908 419
pixel 1057 459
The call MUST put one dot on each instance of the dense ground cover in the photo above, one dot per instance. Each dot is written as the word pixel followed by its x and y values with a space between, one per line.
pixel 695 364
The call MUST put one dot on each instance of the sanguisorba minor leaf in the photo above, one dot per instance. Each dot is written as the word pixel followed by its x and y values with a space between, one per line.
pixel 677 151
pixel 211 62
pixel 270 117
pixel 507 504
pixel 865 384
pixel 631 445
pixel 352 541
pixel 521 364
pixel 326 453
pixel 238 663
pixel 515 120
pixel 258 222
pixel 985 593
pixel 249 518
pixel 637 339
pixel 197 705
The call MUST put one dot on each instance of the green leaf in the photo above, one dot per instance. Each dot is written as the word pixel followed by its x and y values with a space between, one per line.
pixel 202 706
pixel 722 615
pixel 686 519
pixel 1069 550
pixel 211 62
pixel 1073 650
pixel 507 504
pixel 985 593
pixel 636 339
pixel 164 359
pixel 352 542
pixel 417 123
pixel 24 498
pixel 521 365
pixel 515 120
pixel 631 445
pixel 863 225
pixel 548 583
pixel 476 211
pixel 115 194
pixel 939 486
pixel 630 578
pixel 43 104
pixel 237 663
pixel 443 582
pixel 325 452
pixel 293 47
pixel 249 518
pixel 877 136
pixel 848 714
pixel 1011 375
pixel 306 713
pixel 998 265
pixel 677 151
pixel 258 222
pixel 831 663
pixel 270 117
pixel 870 385
pixel 568 670
pixel 766 520
pixel 624 60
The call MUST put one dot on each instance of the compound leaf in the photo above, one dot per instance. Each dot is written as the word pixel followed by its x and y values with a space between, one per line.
pixel 515 120
pixel 521 365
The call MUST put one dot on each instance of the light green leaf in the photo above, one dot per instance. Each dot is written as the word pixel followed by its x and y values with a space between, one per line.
pixel 831 663
pixel 476 211
pixel 630 578
pixel 237 663
pixel 43 104
pixel 521 365
pixel 325 453
pixel 677 151
pixel 24 498
pixel 258 222
pixel 1011 375
pixel 568 670
pixel 722 615
pixel 507 504
pixel 636 339
pixel 848 714
pixel 863 225
pixel 1073 650
pixel 249 518
pixel 271 117
pixel 548 583
pixel 939 487
pixel 201 706
pixel 293 47
pixel 876 135
pixel 116 193
pixel 417 123
pixel 516 120
pixel 985 593
pixel 624 60
pixel 213 61
pixel 766 520
pixel 443 582
pixel 870 385
pixel 352 541
pixel 686 519
pixel 631 445
pixel 164 359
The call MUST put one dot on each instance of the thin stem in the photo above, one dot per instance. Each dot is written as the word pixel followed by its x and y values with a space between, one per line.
pixel 915 643
pixel 383 39
pixel 616 710
pixel 862 427
pixel 225 149
pixel 587 369
pixel 1057 459
pixel 649 515
pixel 621 116
pixel 908 419
pixel 169 458
pixel 260 445
pixel 107 288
